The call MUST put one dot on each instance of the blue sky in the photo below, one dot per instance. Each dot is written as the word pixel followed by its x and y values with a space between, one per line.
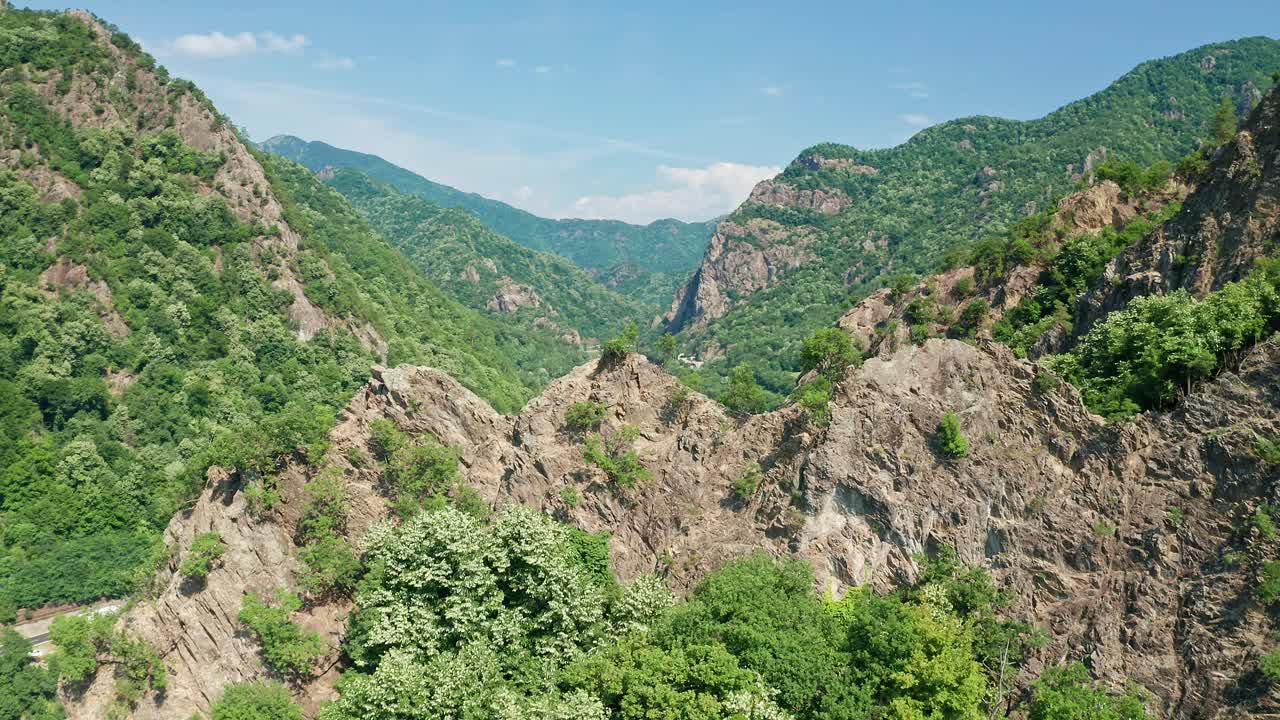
pixel 652 109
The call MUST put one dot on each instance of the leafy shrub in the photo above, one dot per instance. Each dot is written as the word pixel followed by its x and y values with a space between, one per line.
pixel 971 317
pixel 1132 177
pixel 619 347
pixel 1263 519
pixel 385 439
pixel 1268 451
pixel 1269 582
pixel 286 646
pixel 828 352
pixel 255 701
pixel 951 441
pixel 1045 381
pixel 614 453
pixel 815 398
pixel 1069 693
pixel 745 487
pixel 570 496
pixel 962 287
pixel 206 549
pixel 419 472
pixel 1269 664
pixel 330 566
pixel 585 415
pixel 1156 349
pixel 85 641
pixel 900 284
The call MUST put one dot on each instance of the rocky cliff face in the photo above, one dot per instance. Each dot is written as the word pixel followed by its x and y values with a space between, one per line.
pixel 743 258
pixel 1075 518
pixel 881 322
pixel 1231 220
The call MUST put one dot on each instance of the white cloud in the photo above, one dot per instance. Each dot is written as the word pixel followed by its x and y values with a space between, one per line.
pixel 691 194
pixel 218 45
pixel 915 119
pixel 272 42
pixel 542 69
pixel 522 194
pixel 329 61
pixel 505 62
pixel 771 90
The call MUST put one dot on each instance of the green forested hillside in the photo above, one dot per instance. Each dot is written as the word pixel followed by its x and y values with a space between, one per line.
pixel 628 255
pixel 474 263
pixel 955 183
pixel 148 330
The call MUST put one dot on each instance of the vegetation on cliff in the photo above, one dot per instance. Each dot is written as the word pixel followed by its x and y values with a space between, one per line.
pixel 946 188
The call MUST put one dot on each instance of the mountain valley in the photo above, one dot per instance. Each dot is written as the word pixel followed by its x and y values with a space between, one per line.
pixel 983 425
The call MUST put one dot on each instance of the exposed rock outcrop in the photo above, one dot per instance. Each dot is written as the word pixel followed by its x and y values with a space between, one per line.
pixel 66 276
pixel 780 194
pixel 510 296
pixel 1073 516
pixel 818 162
pixel 743 258
pixel 1230 221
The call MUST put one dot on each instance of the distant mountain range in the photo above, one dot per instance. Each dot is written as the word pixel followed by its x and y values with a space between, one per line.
pixel 838 221
pixel 487 271
pixel 645 261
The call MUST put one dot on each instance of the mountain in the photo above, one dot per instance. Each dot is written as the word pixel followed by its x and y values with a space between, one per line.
pixel 169 300
pixel 638 260
pixel 809 243
pixel 1144 547
pixel 487 271
pixel 197 413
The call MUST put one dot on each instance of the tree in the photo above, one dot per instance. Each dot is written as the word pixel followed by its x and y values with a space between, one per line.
pixel 1224 121
pixel 972 316
pixel 667 348
pixel 951 441
pixel 744 394
pixel 513 591
pixel 31 691
pixel 828 351
pixel 763 610
pixel 256 701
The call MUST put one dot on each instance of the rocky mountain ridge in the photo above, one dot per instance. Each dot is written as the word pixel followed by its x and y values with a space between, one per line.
pixel 840 221
pixel 1073 516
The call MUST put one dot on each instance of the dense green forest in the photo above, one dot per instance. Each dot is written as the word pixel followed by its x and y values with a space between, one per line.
pixel 176 350
pixel 645 261
pixel 470 261
pixel 953 184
